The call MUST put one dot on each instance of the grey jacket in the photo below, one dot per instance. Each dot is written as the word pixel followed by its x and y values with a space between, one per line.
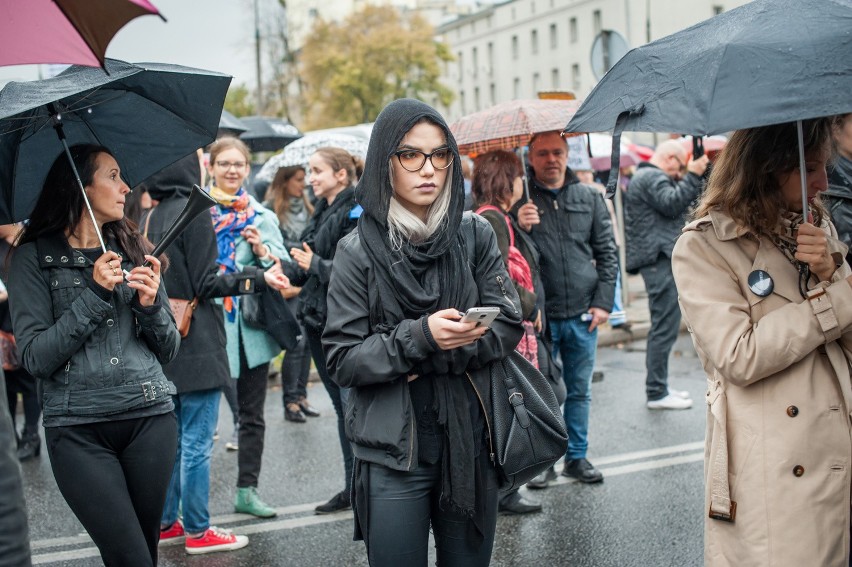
pixel 575 239
pixel 380 420
pixel 93 358
pixel 655 208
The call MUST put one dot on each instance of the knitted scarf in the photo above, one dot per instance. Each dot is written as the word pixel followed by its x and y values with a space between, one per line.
pixel 419 280
pixel 230 216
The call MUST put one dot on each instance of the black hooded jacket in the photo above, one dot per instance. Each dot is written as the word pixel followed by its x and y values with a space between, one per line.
pixel 202 362
pixel 838 199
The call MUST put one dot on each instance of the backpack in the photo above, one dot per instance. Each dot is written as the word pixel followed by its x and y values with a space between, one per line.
pixel 519 271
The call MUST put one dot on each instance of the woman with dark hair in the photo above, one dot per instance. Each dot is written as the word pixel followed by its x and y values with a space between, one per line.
pixel 291 204
pixel 95 339
pixel 766 294
pixel 498 186
pixel 395 338
pixel 333 175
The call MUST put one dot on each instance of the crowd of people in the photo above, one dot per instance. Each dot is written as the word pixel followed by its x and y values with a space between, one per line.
pixel 377 261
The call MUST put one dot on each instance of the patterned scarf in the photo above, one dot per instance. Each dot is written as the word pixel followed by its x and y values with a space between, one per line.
pixel 232 214
pixel 784 236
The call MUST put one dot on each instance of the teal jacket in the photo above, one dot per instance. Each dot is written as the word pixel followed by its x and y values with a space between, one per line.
pixel 258 346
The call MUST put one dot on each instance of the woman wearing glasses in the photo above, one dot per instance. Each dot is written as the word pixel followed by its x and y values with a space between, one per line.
pixel 333 174
pixel 247 235
pixel 767 297
pixel 395 338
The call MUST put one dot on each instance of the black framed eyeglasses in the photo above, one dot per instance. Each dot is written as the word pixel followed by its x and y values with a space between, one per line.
pixel 414 160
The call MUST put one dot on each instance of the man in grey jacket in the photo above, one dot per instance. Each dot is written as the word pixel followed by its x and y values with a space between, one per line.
pixel 571 227
pixel 655 209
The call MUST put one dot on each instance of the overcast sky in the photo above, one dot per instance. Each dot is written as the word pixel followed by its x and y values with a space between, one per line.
pixel 210 34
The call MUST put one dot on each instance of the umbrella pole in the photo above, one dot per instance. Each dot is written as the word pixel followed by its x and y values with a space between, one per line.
pixel 802 170
pixel 525 177
pixel 57 125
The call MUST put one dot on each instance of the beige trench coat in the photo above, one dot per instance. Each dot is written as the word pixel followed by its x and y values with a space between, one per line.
pixel 779 433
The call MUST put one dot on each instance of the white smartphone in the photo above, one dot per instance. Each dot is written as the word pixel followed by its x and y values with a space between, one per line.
pixel 481 315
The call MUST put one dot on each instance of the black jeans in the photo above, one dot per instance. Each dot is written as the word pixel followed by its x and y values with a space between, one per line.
pixel 114 476
pixel 665 324
pixel 338 397
pixel 251 393
pixel 295 367
pixel 402 506
pixel 21 382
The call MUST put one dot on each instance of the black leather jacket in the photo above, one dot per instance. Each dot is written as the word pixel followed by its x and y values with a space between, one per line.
pixel 575 240
pixel 838 199
pixel 379 418
pixel 93 358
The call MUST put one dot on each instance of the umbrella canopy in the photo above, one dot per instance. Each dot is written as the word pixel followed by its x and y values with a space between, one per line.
pixel 510 124
pixel 63 31
pixel 766 62
pixel 301 150
pixel 230 125
pixel 149 115
pixel 268 134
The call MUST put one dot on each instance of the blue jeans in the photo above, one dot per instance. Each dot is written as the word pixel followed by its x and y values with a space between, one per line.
pixel 197 414
pixel 577 347
pixel 665 325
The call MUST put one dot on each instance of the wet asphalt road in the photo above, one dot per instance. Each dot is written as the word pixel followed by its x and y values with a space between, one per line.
pixel 647 512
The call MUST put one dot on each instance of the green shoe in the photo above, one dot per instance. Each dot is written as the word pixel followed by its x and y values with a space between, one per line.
pixel 248 502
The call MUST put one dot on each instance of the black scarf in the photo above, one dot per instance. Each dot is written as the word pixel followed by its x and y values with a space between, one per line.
pixel 419 280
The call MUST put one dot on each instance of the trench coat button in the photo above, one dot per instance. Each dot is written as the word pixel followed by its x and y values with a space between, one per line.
pixel 113 361
pixel 110 323
pixel 798 470
pixel 48 258
pixel 792 411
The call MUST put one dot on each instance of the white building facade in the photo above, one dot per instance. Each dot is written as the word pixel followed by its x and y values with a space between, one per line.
pixel 519 48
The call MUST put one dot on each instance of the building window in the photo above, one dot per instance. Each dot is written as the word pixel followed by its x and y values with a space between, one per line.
pixel 536 83
pixel 554 38
pixel 575 76
pixel 534 41
pixel 492 89
pixel 475 62
pixel 477 106
pixel 516 88
pixel 718 10
pixel 597 21
pixel 554 78
pixel 461 65
pixel 461 102
pixel 514 47
pixel 312 14
pixel 572 30
pixel 490 61
pixel 532 7
pixel 514 16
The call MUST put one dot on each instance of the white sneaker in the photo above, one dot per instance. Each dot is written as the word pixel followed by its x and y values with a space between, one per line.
pixel 670 402
pixel 679 393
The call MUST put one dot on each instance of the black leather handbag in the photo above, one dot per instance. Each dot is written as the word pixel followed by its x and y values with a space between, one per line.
pixel 268 310
pixel 527 427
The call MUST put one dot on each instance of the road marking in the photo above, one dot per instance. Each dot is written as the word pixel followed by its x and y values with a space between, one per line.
pixel 690 456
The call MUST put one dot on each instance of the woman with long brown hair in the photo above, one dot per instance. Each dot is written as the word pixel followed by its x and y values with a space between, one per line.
pixel 768 299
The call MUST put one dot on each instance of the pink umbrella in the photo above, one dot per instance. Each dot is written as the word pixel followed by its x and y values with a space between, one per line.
pixel 63 31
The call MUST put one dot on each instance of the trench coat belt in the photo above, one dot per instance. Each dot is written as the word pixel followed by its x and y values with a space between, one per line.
pixel 821 304
pixel 721 506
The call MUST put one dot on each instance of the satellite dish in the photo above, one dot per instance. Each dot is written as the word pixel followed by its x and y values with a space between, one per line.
pixel 609 46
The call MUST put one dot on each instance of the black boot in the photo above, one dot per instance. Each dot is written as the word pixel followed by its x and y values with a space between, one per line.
pixel 29 446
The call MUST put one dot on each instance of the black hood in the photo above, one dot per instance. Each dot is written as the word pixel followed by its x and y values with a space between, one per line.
pixel 176 180
pixel 374 190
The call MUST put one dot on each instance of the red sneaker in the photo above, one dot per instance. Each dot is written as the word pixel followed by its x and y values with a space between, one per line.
pixel 215 539
pixel 172 532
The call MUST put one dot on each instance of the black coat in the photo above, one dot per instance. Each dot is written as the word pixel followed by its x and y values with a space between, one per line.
pixel 575 239
pixel 14 534
pixel 655 208
pixel 838 199
pixel 380 421
pixel 202 362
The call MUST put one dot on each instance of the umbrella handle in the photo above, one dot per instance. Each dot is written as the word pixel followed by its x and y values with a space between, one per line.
pixel 57 125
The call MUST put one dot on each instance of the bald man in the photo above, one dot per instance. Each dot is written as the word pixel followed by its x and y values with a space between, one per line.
pixel 655 209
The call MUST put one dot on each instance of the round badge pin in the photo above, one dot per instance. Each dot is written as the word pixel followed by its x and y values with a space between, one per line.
pixel 760 283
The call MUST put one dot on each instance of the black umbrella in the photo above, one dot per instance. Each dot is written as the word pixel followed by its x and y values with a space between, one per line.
pixel 230 125
pixel 268 134
pixel 149 115
pixel 766 62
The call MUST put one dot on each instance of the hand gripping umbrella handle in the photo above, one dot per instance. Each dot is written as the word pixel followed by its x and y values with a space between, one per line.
pixel 198 202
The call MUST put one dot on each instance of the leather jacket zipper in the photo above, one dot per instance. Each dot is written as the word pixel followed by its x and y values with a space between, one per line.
pixel 487 421
pixel 67 370
pixel 505 295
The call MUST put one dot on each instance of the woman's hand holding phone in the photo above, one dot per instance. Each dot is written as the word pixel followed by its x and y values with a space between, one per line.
pixel 450 332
